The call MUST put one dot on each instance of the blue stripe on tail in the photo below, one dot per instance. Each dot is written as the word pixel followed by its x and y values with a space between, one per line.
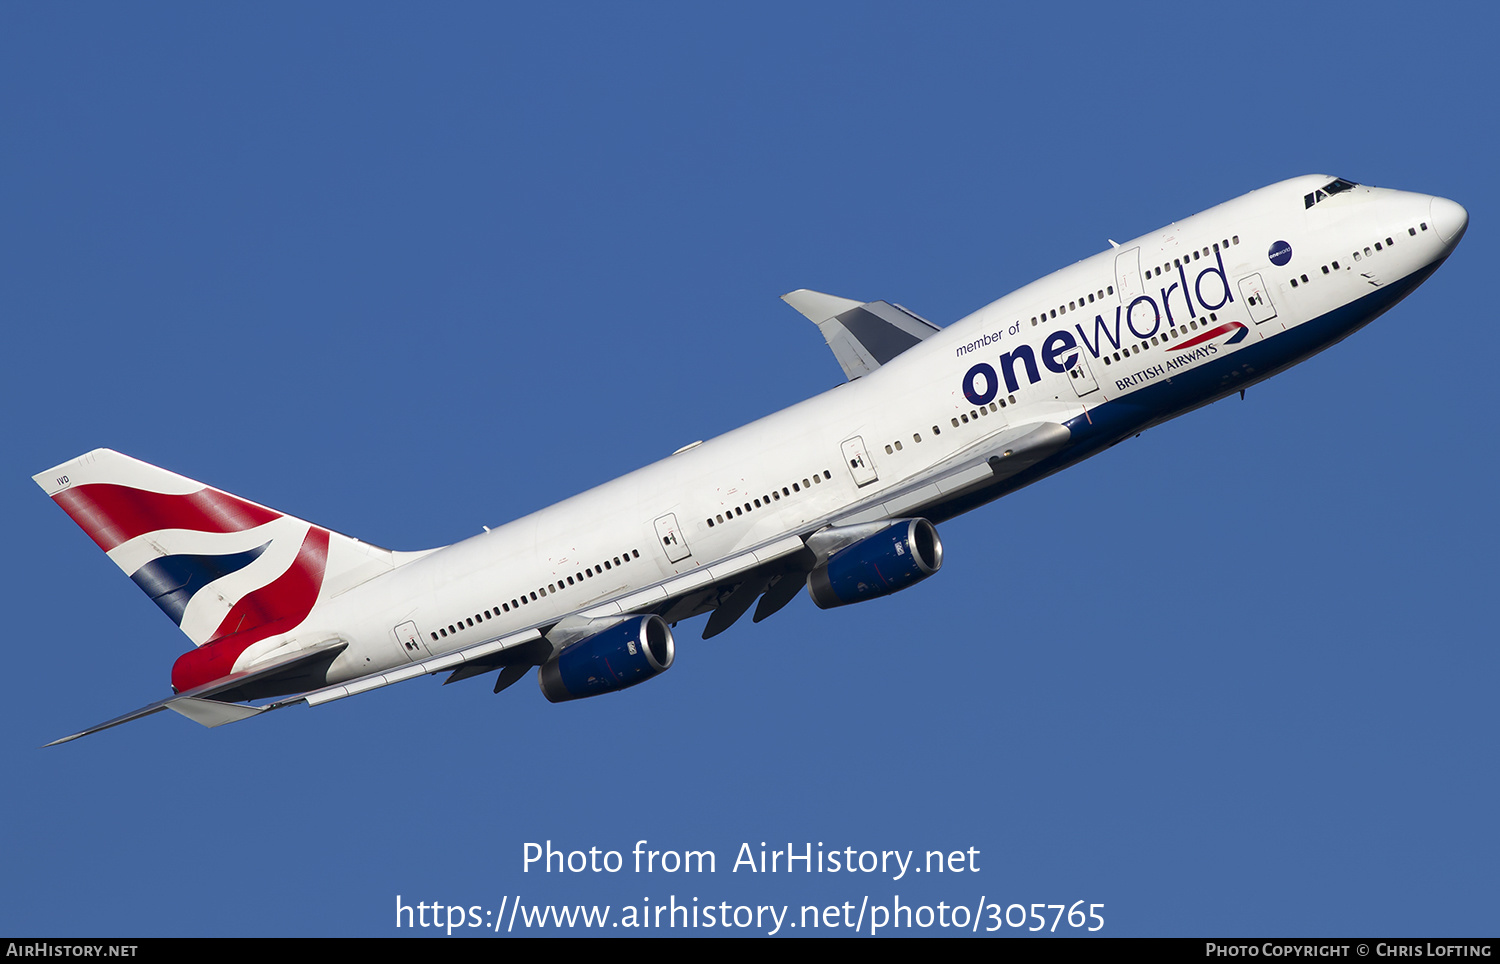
pixel 171 581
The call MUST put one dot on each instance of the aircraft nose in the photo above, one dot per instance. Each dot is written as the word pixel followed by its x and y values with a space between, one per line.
pixel 1449 219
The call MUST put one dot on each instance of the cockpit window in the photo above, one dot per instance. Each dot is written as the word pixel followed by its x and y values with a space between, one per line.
pixel 1336 186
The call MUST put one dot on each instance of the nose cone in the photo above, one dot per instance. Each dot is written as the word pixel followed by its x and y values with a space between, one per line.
pixel 1449 220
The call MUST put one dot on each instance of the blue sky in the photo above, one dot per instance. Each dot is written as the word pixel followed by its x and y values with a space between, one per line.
pixel 407 272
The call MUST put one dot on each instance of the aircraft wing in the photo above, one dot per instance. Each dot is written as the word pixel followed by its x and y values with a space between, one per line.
pixel 997 458
pixel 532 646
pixel 862 335
pixel 774 573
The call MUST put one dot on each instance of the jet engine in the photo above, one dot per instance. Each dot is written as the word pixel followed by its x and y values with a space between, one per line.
pixel 623 655
pixel 897 556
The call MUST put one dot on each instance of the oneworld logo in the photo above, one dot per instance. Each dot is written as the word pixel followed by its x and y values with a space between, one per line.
pixel 1143 317
pixel 1280 253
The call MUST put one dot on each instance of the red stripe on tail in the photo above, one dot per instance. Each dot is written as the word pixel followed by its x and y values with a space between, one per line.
pixel 278 607
pixel 112 514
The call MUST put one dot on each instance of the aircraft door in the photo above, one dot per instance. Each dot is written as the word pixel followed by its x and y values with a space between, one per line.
pixel 1081 376
pixel 1128 275
pixel 410 641
pixel 669 534
pixel 859 462
pixel 1256 298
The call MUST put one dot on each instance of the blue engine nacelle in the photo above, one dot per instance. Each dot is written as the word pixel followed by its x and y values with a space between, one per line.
pixel 906 552
pixel 623 655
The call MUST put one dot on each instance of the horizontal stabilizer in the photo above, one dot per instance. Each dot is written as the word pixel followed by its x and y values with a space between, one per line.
pixel 186 703
pixel 862 335
pixel 212 712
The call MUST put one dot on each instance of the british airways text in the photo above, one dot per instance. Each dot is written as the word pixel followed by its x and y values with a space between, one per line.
pixel 1143 317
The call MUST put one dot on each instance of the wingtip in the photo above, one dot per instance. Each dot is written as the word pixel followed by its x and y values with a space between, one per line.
pixel 817 306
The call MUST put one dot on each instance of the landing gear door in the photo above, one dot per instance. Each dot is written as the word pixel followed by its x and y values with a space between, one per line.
pixel 1256 299
pixel 858 460
pixel 669 535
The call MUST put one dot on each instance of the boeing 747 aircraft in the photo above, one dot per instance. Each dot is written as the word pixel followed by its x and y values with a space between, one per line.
pixel 840 494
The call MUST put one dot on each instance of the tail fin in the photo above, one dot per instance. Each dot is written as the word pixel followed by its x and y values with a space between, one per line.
pixel 216 564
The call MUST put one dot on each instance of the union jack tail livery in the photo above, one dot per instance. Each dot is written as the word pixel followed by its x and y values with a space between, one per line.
pixel 236 577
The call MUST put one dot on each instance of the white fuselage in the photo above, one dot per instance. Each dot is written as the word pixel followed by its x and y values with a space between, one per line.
pixel 1112 327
